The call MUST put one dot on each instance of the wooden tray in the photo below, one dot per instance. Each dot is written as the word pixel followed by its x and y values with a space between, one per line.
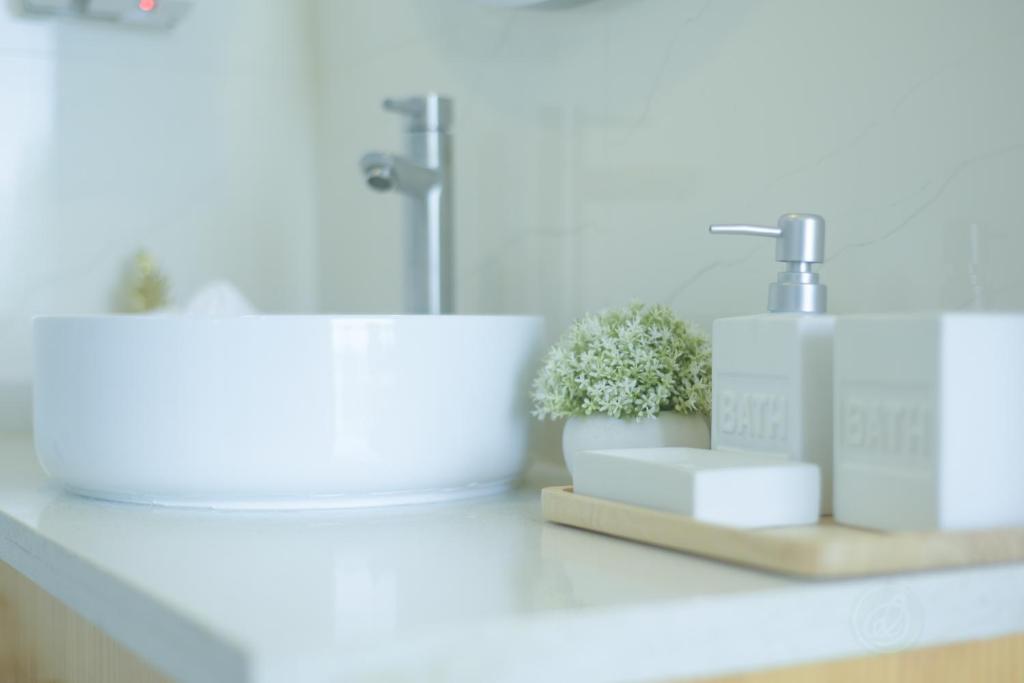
pixel 824 550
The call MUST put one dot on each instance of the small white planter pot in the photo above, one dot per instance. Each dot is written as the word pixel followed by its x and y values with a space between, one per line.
pixel 598 432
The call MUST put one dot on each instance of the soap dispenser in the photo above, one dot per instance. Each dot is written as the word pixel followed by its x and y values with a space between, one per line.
pixel 772 373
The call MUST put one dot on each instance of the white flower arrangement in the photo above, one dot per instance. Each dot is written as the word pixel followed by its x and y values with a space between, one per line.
pixel 627 363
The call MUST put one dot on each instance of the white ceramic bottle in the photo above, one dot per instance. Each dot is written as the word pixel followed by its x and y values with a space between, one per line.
pixel 928 421
pixel 772 373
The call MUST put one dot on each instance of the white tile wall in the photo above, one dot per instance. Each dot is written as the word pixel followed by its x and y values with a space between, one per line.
pixel 196 144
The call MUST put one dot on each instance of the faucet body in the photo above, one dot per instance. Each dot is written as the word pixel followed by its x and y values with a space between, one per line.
pixel 424 176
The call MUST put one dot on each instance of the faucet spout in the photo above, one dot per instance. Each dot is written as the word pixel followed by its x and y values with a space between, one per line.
pixel 390 172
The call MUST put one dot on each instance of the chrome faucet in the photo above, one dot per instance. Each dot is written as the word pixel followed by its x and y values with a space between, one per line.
pixel 424 175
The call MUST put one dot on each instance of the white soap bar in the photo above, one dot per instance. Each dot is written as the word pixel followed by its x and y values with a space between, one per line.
pixel 929 422
pixel 721 487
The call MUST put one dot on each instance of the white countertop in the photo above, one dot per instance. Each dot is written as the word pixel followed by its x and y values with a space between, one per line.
pixel 469 591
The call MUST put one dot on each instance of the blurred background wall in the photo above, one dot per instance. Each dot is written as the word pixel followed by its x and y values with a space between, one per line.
pixel 196 144
pixel 594 143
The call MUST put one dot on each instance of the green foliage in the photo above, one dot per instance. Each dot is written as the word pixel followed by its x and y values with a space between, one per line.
pixel 146 287
pixel 628 363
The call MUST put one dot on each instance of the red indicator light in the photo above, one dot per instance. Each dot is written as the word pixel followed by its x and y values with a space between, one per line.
pixel 147 5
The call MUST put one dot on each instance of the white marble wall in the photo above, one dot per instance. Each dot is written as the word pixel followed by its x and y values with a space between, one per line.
pixel 597 141
pixel 196 144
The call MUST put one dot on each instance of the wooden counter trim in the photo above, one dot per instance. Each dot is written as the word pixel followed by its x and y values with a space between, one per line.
pixel 997 660
pixel 44 641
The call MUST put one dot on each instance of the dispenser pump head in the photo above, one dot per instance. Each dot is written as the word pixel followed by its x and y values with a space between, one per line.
pixel 799 243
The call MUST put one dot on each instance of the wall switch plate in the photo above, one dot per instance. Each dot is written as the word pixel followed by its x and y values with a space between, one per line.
pixel 156 14
pixel 49 6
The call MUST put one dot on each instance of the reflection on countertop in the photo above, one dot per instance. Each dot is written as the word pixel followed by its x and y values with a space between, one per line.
pixel 455 590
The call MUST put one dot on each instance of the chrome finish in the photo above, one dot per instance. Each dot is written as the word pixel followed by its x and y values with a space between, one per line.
pixel 799 243
pixel 424 176
pixel 755 230
pixel 430 113
pixel 386 172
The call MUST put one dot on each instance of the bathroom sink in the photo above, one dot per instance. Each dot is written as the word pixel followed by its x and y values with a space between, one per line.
pixel 266 411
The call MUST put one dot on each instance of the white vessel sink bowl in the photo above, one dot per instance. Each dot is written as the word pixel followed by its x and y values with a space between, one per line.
pixel 283 411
